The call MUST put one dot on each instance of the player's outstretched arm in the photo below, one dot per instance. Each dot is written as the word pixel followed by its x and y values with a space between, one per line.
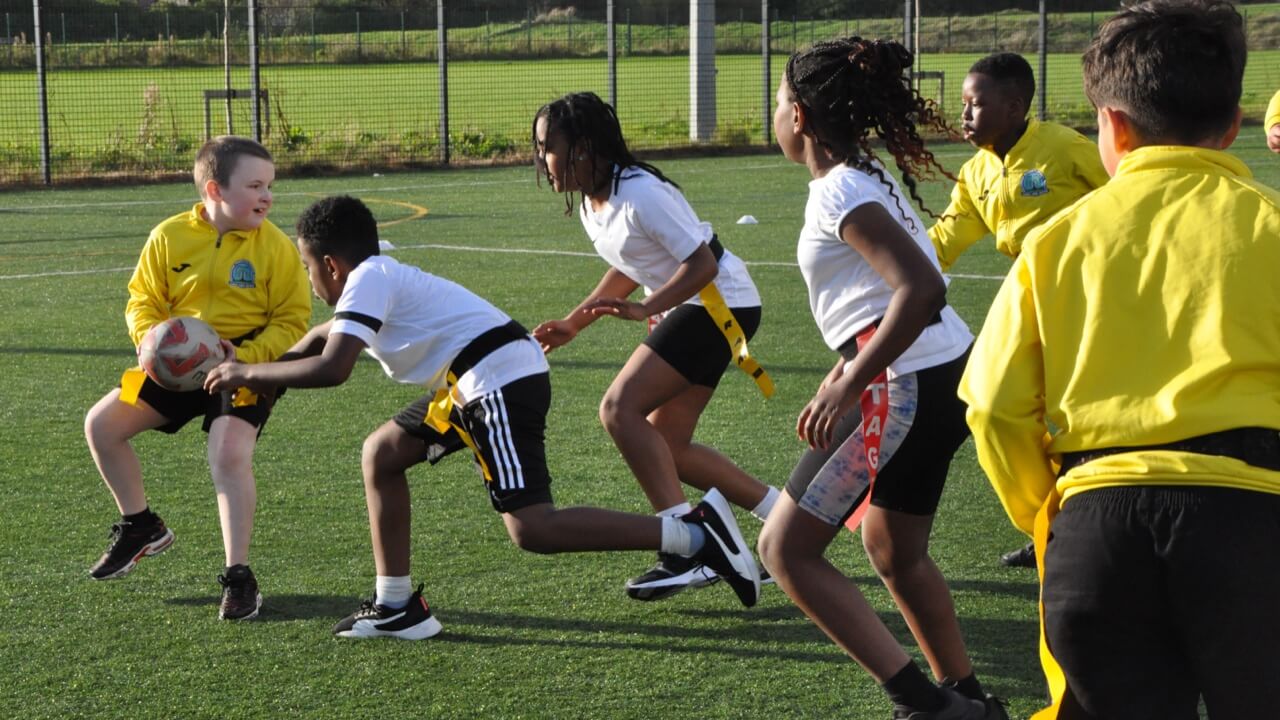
pixel 554 333
pixel 331 367
pixel 311 344
pixel 693 274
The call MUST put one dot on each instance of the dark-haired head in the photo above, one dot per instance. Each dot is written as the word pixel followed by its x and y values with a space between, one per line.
pixel 1174 67
pixel 217 157
pixel 852 88
pixel 1012 72
pixel 583 126
pixel 339 226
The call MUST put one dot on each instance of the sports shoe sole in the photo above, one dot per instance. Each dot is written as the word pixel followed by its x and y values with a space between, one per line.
pixel 747 584
pixel 365 629
pixel 154 548
pixel 666 587
pixel 256 607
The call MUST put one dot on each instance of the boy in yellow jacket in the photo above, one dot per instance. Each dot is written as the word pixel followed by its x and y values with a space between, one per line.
pixel 1272 123
pixel 224 262
pixel 1142 324
pixel 1024 172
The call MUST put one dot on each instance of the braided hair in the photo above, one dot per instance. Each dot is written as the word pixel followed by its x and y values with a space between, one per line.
pixel 591 128
pixel 851 87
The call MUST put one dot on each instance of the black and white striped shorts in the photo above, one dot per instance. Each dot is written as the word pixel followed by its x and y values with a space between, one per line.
pixel 508 427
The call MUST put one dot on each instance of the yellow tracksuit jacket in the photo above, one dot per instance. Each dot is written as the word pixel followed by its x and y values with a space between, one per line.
pixel 1049 168
pixel 248 283
pixel 1145 313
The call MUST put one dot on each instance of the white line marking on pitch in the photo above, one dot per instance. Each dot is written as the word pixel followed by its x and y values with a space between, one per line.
pixel 459 248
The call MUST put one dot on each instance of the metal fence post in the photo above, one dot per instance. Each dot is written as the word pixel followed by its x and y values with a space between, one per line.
pixel 702 70
pixel 442 59
pixel 766 117
pixel 1044 61
pixel 46 172
pixel 255 77
pixel 611 38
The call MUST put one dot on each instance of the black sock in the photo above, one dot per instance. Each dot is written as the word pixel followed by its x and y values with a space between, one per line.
pixel 143 519
pixel 968 687
pixel 911 688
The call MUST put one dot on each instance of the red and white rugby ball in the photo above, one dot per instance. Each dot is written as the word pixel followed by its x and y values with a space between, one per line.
pixel 179 352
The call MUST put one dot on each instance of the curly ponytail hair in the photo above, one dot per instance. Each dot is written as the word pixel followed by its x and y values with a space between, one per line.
pixel 591 127
pixel 851 87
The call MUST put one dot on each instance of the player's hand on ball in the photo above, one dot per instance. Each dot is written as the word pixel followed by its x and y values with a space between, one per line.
pixel 554 333
pixel 229 350
pixel 617 307
pixel 227 376
pixel 817 422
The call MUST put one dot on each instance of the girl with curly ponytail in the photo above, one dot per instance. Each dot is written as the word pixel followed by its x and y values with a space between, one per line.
pixel 880 302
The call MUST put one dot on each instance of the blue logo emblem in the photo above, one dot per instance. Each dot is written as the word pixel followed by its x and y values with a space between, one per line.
pixel 1034 184
pixel 242 274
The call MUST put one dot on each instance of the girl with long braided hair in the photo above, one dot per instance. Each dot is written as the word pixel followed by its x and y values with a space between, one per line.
pixel 880 302
pixel 698 292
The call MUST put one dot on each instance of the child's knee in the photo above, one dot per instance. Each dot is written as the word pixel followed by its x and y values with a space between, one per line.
pixel 774 551
pixel 531 537
pixel 610 411
pixel 231 459
pixel 891 559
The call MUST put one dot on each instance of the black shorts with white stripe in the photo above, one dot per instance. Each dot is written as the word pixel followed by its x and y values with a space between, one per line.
pixel 508 427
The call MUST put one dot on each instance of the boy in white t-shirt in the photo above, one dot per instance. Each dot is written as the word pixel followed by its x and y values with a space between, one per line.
pixel 488 389
pixel 700 303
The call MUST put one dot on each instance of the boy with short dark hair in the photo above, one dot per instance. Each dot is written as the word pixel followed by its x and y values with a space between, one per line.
pixel 488 389
pixel 1142 324
pixel 225 263
pixel 1024 171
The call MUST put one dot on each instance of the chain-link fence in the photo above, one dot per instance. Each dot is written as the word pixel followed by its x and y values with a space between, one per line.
pixel 97 91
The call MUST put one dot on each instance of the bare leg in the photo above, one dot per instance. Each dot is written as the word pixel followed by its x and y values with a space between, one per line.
pixel 651 411
pixel 543 528
pixel 792 545
pixel 108 428
pixel 231 445
pixel 698 465
pixel 645 383
pixel 898 547
pixel 387 454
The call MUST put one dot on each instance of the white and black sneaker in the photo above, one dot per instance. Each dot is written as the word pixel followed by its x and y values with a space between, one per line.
pixel 725 550
pixel 672 574
pixel 414 621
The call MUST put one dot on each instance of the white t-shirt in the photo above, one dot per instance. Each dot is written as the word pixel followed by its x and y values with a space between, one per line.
pixel 646 229
pixel 416 323
pixel 846 294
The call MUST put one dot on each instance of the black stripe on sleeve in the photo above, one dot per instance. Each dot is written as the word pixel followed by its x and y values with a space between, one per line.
pixel 371 322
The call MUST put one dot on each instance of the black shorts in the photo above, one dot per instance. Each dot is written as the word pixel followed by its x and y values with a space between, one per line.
pixel 1157 596
pixel 508 427
pixel 689 339
pixel 179 408
pixel 924 428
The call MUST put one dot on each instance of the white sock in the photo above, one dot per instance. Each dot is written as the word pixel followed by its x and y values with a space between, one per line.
pixel 766 505
pixel 681 538
pixel 683 508
pixel 392 592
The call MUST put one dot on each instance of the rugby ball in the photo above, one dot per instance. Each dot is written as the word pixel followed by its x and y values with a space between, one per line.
pixel 178 353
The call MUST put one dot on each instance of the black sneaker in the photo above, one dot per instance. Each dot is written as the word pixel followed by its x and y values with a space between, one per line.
pixel 672 574
pixel 414 621
pixel 957 707
pixel 240 597
pixel 1024 557
pixel 725 551
pixel 129 544
pixel 994 705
